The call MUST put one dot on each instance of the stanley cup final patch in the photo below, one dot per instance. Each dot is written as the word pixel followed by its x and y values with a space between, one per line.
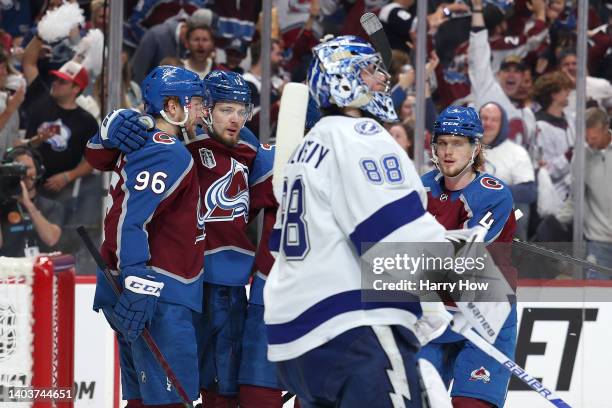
pixel 207 157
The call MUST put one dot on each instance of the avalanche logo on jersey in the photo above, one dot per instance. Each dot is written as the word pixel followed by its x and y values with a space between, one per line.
pixel 228 197
pixel 201 220
pixel 481 374
pixel 491 183
pixel 163 138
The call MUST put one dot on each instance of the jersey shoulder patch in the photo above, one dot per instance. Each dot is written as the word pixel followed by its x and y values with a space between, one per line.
pixel 491 183
pixel 367 127
pixel 486 189
pixel 163 138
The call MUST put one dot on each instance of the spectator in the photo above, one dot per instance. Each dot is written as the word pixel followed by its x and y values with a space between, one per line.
pixel 57 127
pixel 200 44
pixel 508 161
pixel 295 17
pixel 131 95
pixel 555 134
pixel 98 14
pixel 145 14
pixel 523 94
pixel 12 92
pixel 29 223
pixel 253 79
pixel 598 192
pixel 598 89
pixel 403 133
pixel 406 112
pixel 399 22
pixel 402 93
pixel 165 40
pixel 503 89
pixel 300 40
pixel 235 52
pixel 236 19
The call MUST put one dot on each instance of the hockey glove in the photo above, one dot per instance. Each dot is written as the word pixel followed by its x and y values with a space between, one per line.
pixel 136 304
pixel 432 323
pixel 126 130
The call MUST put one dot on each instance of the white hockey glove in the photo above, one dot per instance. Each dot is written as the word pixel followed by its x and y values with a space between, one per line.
pixel 432 323
pixel 487 318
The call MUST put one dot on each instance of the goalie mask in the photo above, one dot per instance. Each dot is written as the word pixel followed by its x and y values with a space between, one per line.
pixel 335 77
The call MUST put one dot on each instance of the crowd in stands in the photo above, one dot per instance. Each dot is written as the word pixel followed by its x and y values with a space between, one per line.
pixel 514 61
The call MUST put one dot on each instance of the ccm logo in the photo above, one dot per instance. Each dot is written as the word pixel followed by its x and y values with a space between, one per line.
pixel 143 286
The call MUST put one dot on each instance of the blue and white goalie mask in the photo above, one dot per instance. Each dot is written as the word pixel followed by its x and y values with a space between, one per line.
pixel 336 77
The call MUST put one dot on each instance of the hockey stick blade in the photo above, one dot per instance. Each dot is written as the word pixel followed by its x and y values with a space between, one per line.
pixel 146 335
pixel 373 27
pixel 514 368
pixel 289 131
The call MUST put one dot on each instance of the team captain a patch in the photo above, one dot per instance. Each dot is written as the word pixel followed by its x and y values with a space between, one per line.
pixel 207 157
pixel 367 127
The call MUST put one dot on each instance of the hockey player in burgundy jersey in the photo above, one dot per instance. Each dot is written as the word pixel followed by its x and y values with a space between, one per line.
pixel 235 177
pixel 459 195
pixel 154 239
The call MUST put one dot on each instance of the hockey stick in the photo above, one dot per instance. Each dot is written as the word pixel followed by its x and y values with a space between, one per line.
pixel 289 131
pixel 287 396
pixel 373 27
pixel 146 335
pixel 514 368
pixel 560 256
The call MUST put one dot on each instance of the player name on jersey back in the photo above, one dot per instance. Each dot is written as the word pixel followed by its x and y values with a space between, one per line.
pixel 346 184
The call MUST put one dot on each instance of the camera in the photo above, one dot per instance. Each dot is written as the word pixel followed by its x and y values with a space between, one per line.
pixel 11 175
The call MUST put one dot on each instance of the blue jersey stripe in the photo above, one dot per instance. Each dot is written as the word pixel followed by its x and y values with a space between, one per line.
pixel 274 241
pixel 331 307
pixel 387 219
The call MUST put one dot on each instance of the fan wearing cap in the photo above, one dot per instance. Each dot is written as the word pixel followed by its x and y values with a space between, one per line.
pixel 235 52
pixel 503 88
pixel 56 126
pixel 460 195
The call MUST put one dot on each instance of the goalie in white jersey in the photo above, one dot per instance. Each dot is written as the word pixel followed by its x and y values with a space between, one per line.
pixel 347 183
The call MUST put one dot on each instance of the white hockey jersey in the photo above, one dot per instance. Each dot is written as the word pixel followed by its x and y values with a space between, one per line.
pixel 510 163
pixel 347 183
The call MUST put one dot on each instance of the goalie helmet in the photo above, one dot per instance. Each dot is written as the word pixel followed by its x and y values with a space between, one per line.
pixel 458 121
pixel 334 77
pixel 165 81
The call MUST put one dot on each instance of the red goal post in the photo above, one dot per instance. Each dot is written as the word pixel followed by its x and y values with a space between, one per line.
pixel 37 325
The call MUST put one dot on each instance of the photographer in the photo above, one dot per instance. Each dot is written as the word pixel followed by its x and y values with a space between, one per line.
pixel 29 223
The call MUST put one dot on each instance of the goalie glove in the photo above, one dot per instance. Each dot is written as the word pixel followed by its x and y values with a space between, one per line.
pixel 126 130
pixel 136 304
